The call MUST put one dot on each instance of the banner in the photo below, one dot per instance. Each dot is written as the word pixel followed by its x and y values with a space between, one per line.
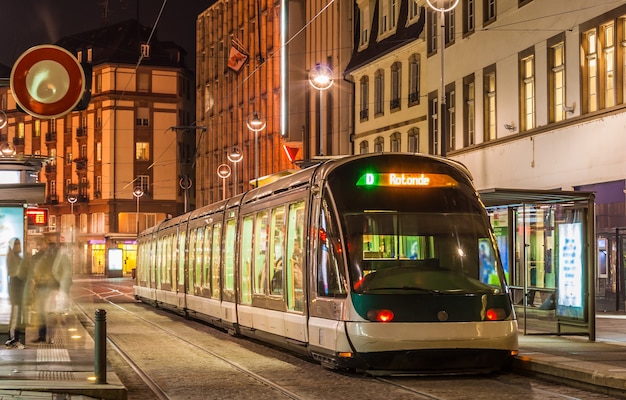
pixel 238 56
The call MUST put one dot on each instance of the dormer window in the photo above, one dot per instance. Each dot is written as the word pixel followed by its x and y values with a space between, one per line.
pixel 145 50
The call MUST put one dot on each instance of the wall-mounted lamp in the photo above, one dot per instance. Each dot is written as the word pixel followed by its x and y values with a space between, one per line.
pixel 569 109
pixel 510 127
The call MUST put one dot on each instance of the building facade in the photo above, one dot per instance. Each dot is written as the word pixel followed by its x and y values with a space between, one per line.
pixel 535 99
pixel 253 60
pixel 120 144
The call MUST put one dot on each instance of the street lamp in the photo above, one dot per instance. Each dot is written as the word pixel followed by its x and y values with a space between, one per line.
pixel 137 192
pixel 320 77
pixel 3 119
pixel 256 122
pixel 442 6
pixel 72 198
pixel 223 171
pixel 234 157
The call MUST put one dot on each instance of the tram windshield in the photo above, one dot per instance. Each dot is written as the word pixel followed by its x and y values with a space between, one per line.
pixel 429 252
pixel 418 231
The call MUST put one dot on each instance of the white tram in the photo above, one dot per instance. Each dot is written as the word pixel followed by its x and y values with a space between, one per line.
pixel 381 263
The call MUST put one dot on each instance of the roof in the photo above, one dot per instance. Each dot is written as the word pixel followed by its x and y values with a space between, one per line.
pixel 375 49
pixel 513 197
pixel 121 43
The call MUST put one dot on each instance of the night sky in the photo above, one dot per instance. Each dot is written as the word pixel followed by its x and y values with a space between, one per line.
pixel 27 23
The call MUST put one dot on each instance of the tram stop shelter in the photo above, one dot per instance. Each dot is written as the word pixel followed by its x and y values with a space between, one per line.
pixel 547 246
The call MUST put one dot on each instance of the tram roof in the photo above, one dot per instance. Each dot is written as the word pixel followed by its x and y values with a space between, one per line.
pixel 501 197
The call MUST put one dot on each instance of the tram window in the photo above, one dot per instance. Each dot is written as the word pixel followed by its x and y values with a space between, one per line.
pixel 197 270
pixel 206 264
pixel 229 255
pixel 294 271
pixel 181 253
pixel 260 249
pixel 246 259
pixel 191 285
pixel 277 245
pixel 330 269
pixel 216 260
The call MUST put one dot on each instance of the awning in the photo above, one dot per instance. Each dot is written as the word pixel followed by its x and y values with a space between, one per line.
pixel 514 197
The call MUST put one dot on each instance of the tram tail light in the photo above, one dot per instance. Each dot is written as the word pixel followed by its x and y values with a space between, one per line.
pixel 495 314
pixel 380 315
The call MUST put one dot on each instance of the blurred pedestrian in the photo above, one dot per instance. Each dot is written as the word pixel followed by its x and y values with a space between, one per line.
pixel 17 271
pixel 43 284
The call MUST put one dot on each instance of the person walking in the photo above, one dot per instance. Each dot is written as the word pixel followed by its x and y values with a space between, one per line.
pixel 17 272
pixel 43 283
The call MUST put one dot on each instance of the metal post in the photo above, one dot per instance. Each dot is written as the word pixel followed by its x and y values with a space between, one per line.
pixel 442 113
pixel 256 158
pixel 321 151
pixel 100 360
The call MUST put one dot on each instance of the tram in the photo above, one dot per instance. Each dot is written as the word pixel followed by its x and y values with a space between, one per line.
pixel 377 263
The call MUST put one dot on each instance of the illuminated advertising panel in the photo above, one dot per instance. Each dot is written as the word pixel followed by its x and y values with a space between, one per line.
pixel 37 217
pixel 11 226
pixel 570 300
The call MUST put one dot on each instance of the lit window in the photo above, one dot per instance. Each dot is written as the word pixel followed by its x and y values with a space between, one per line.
pixel 142 152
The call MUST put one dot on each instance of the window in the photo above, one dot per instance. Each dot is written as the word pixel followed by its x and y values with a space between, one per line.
pixel 414 79
pixel 98 117
pixel 364 12
pixel 395 142
pixel 277 250
pixel 433 32
pixel 364 93
pixel 414 11
pixel 469 111
pixel 608 54
pixel 37 128
pixel 98 151
pixel 379 145
pixel 527 90
pixel 468 16
pixel 489 11
pixel 261 228
pixel 413 140
pixel 143 181
pixel 590 72
pixel 142 151
pixel 556 58
pixel 295 257
pixel 143 81
pixel 98 186
pixel 388 15
pixel 145 50
pixel 364 147
pixel 98 83
pixel 142 116
pixel 450 17
pixel 68 155
pixel 396 70
pixel 379 86
pixel 451 117
pixel 433 112
pixel 331 270
pixel 489 100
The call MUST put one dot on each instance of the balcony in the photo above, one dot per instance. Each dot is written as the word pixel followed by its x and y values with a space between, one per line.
pixel 80 132
pixel 51 137
pixel 81 163
pixel 18 141
pixel 52 199
pixel 50 168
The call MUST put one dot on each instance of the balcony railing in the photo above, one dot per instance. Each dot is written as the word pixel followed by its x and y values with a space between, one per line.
pixel 51 137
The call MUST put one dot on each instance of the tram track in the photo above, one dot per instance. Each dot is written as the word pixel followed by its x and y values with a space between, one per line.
pixel 274 373
pixel 152 384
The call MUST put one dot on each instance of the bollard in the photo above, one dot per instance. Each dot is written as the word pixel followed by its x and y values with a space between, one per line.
pixel 100 356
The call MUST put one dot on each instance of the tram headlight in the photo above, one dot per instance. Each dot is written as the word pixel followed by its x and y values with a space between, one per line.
pixel 495 314
pixel 380 315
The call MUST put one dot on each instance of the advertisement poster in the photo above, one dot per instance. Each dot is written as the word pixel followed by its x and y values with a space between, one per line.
pixel 570 300
pixel 11 226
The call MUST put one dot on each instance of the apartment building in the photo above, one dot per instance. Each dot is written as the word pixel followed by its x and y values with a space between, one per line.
pixel 116 166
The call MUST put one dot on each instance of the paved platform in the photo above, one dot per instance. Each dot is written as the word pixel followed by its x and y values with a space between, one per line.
pixel 66 366
pixel 46 370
